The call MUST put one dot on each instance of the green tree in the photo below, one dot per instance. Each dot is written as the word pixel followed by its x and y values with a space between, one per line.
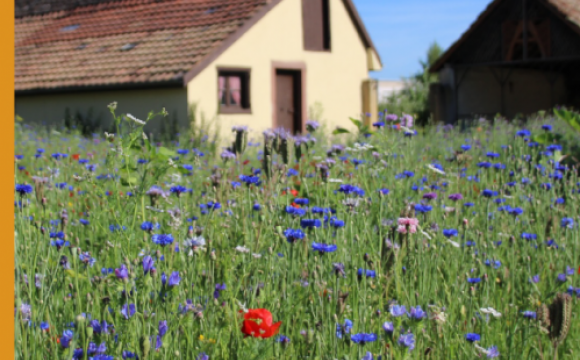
pixel 414 98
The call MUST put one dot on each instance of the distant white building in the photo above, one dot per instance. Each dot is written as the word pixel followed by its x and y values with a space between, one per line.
pixel 388 87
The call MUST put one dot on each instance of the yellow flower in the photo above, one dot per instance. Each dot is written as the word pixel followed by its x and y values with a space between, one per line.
pixel 201 337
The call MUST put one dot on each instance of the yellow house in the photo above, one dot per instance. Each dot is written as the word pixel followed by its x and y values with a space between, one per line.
pixel 261 63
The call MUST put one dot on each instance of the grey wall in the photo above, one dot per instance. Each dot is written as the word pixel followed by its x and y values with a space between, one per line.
pixel 50 109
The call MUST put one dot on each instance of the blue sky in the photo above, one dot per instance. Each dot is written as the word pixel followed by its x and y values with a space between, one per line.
pixel 402 30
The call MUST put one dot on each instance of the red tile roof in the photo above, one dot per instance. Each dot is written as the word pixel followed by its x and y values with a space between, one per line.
pixel 123 41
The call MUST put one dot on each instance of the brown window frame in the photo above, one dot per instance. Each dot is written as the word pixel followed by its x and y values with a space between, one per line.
pixel 244 75
pixel 307 27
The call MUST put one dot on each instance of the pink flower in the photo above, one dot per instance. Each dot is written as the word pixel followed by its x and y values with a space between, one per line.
pixel 412 229
pixel 413 222
pixel 402 229
pixel 402 221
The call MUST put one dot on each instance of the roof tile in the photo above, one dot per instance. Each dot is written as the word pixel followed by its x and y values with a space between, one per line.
pixel 169 38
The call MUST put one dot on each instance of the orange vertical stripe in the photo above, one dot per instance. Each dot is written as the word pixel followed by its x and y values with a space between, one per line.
pixel 7 181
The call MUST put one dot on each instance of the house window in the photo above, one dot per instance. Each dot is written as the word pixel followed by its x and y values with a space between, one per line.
pixel 234 91
pixel 316 25
pixel 538 40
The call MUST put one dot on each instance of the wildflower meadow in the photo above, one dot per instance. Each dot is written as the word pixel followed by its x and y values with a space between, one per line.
pixel 395 242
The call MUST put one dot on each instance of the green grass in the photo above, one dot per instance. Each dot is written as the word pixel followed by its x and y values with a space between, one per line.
pixel 291 280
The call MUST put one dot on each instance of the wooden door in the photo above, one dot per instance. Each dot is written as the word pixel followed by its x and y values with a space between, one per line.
pixel 288 108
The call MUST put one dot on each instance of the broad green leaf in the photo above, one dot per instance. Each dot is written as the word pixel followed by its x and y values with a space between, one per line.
pixel 166 152
pixel 340 130
pixel 356 122
pixel 546 138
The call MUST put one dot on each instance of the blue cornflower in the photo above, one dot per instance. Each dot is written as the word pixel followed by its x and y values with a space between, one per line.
pixel 292 172
pixel 562 277
pixel 465 147
pixel 323 248
pixel 567 223
pixel 293 235
pixel 295 211
pixel 516 211
pixel 301 201
pixel 528 236
pixel 342 329
pixel 162 239
pixel 256 207
pixel 249 180
pixel 178 189
pixel 174 279
pixel 367 273
pixel 491 154
pixel 484 164
pixel 472 337
pixel 310 223
pixel 23 189
pixel 420 208
pixel 149 226
pixel 351 189
pixel 363 338
pixel 388 327
pixel 489 193
pixel 554 147
pixel 449 233
pixel 473 280
pixel 66 338
pixel 524 133
pixel 468 204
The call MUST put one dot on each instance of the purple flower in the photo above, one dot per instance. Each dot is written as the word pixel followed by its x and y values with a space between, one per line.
pixel 66 338
pixel 455 197
pixel 562 277
pixel 122 273
pixel 492 352
pixel 148 263
pixel 174 279
pixel 407 340
pixel 430 196
pixel 529 314
pixel 218 288
pixel 128 310
pixel 162 327
pixel 338 269
pixel 388 327
pixel 398 310
pixel 416 313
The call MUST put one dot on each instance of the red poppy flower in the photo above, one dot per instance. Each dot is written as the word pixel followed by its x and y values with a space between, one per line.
pixel 76 156
pixel 258 323
pixel 246 162
pixel 294 205
pixel 579 270
pixel 294 192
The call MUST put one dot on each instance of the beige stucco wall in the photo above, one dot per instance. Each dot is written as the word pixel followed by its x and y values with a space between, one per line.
pixel 50 109
pixel 333 79
pixel 526 92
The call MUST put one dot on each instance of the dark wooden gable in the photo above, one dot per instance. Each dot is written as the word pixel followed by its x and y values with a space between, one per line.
pixel 499 36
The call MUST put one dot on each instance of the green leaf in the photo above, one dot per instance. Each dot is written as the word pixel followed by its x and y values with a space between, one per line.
pixel 570 117
pixel 340 130
pixel 166 152
pixel 356 122
pixel 546 138
pixel 128 180
pixel 73 274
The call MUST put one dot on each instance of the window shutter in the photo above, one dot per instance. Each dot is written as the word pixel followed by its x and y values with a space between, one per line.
pixel 316 24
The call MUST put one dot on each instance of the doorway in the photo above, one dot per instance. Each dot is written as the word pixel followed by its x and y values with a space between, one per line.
pixel 288 98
